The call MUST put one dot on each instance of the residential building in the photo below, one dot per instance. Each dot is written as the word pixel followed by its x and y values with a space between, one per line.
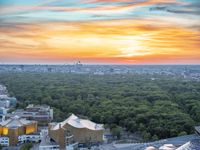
pixel 3 90
pixel 4 141
pixel 6 101
pixel 3 111
pixel 29 138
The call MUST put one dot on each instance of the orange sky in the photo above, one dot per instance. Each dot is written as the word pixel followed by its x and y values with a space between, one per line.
pixel 159 40
pixel 117 41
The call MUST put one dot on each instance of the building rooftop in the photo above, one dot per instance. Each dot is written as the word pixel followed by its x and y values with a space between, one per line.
pixel 38 106
pixel 4 97
pixel 197 128
pixel 15 122
pixel 76 122
pixel 168 144
pixel 192 145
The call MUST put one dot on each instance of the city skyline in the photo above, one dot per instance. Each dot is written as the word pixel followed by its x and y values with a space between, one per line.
pixel 100 31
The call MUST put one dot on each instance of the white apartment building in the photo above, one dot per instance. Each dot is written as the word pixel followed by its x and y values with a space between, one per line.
pixel 4 141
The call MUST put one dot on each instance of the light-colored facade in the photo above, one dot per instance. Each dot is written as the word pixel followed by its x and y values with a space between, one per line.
pixel 75 129
pixel 6 101
pixel 3 111
pixel 29 138
pixel 3 90
pixel 4 141
pixel 15 127
pixel 46 143
pixel 43 114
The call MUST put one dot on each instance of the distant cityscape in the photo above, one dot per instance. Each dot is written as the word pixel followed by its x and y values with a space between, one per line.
pixel 190 72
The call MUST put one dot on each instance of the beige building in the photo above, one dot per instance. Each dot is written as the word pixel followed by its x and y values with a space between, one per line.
pixel 15 127
pixel 74 129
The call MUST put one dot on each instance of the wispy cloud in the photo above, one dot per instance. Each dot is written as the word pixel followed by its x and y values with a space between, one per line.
pixel 124 5
pixel 132 31
pixel 185 8
pixel 124 40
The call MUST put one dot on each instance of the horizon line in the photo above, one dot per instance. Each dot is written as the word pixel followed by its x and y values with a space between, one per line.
pixel 120 64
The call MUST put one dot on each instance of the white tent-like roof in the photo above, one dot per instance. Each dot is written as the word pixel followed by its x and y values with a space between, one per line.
pixel 167 147
pixel 15 122
pixel 76 122
pixel 150 148
pixel 197 128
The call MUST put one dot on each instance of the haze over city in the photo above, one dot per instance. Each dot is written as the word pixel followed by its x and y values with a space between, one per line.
pixel 100 31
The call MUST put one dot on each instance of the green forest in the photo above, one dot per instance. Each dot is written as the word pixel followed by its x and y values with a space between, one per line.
pixel 156 106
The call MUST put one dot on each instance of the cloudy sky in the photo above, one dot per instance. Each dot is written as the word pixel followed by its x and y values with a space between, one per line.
pixel 100 31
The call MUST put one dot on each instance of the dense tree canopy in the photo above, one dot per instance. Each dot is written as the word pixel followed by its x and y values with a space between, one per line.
pixel 155 106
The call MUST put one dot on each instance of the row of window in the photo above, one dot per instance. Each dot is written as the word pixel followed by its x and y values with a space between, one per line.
pixel 4 141
pixel 24 138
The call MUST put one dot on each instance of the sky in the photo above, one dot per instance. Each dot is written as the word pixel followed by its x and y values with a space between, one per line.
pixel 100 31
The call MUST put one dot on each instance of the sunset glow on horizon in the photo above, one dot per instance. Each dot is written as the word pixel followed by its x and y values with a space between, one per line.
pixel 100 31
